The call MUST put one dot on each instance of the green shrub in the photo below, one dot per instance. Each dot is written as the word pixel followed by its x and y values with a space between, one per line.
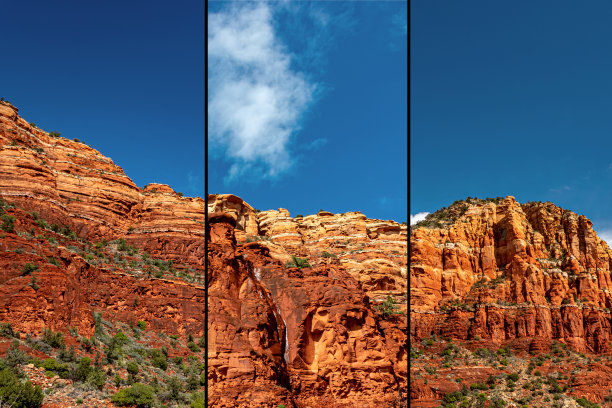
pixel 388 307
pixel 174 387
pixel 53 261
pixel 132 368
pixel 193 383
pixel 138 394
pixel 197 401
pixel 8 223
pixel 512 377
pixel 158 359
pixel 298 262
pixel 49 364
pixel 97 378
pixel 83 369
pixel 479 386
pixel 141 325
pixel 14 355
pixel 193 347
pixel 6 330
pixel 15 394
pixel 33 283
pixel 54 339
pixel 28 268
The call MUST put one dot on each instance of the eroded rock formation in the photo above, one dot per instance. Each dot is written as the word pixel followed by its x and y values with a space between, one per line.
pixel 72 184
pixel 306 336
pixel 504 271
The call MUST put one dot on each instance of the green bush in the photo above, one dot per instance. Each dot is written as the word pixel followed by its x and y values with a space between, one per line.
pixel 193 347
pixel 141 325
pixel 8 224
pixel 158 359
pixel 6 330
pixel 388 307
pixel 54 339
pixel 53 261
pixel 197 400
pixel 28 268
pixel 193 383
pixel 138 394
pixel 14 355
pixel 83 369
pixel 15 394
pixel 298 262
pixel 479 386
pixel 174 387
pixel 512 377
pixel 97 378
pixel 132 368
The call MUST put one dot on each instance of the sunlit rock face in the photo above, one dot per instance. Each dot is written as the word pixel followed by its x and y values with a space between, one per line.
pixel 502 270
pixel 308 336
pixel 72 184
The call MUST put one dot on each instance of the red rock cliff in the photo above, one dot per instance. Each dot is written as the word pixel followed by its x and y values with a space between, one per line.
pixel 510 272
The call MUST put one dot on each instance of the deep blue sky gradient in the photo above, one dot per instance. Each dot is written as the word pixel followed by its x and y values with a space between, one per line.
pixel 512 99
pixel 127 78
pixel 362 113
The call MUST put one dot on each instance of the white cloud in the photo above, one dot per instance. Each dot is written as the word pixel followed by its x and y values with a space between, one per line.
pixel 560 189
pixel 606 235
pixel 256 99
pixel 418 217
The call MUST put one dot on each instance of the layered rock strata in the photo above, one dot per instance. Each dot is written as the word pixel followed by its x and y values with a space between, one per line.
pixel 510 272
pixel 372 251
pixel 72 184
pixel 308 337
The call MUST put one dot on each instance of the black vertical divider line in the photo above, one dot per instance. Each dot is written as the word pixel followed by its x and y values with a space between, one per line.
pixel 408 21
pixel 206 229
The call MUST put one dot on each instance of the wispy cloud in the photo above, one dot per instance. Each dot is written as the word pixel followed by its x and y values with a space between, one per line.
pixel 606 235
pixel 257 99
pixel 400 21
pixel 418 217
pixel 316 144
pixel 559 189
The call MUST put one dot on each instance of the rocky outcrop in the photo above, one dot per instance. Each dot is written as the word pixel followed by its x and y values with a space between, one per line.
pixel 72 184
pixel 372 251
pixel 63 289
pixel 507 271
pixel 307 336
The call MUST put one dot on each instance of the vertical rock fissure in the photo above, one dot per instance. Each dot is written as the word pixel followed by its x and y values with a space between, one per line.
pixel 283 337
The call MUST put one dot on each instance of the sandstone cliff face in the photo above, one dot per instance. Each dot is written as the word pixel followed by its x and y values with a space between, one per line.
pixel 68 183
pixel 307 337
pixel 72 184
pixel 68 288
pixel 372 251
pixel 508 271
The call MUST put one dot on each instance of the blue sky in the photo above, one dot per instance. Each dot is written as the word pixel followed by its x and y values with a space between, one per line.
pixel 308 105
pixel 512 99
pixel 127 78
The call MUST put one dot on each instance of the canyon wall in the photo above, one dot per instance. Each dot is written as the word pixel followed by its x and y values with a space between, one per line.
pixel 509 272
